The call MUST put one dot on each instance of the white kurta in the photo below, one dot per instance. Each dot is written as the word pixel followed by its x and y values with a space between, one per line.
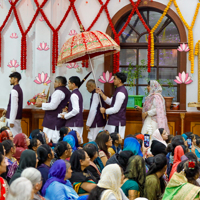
pixel 150 125
pixel 91 116
pixel 13 113
pixel 120 97
pixel 56 99
pixel 75 110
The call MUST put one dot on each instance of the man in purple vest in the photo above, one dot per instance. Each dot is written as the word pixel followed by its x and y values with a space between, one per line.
pixel 95 121
pixel 117 112
pixel 58 101
pixel 15 105
pixel 74 115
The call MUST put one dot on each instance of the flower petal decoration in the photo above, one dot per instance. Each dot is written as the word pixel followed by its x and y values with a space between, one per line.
pixel 106 77
pixel 183 78
pixel 43 47
pixel 183 47
pixel 72 65
pixel 14 36
pixel 13 63
pixel 72 32
pixel 41 19
pixel 42 78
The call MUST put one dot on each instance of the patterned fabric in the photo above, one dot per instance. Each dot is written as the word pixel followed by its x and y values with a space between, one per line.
pixel 179 188
pixel 92 42
pixel 111 180
pixel 136 171
pixel 3 189
pixel 155 93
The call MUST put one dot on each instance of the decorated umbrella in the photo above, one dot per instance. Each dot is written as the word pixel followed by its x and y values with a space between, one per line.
pixel 87 45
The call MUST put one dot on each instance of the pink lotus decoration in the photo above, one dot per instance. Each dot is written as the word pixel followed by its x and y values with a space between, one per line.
pixel 13 63
pixel 41 19
pixel 72 33
pixel 183 47
pixel 183 78
pixel 106 78
pixel 43 47
pixel 14 36
pixel 42 78
pixel 72 65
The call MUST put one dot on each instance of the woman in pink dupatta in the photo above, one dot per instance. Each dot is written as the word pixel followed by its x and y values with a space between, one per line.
pixel 154 113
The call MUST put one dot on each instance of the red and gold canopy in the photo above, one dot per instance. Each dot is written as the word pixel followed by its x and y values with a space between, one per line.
pixel 94 43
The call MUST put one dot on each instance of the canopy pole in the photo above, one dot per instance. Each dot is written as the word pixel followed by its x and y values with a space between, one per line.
pixel 95 81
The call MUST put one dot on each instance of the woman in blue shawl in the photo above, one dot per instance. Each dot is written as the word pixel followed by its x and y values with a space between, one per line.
pixel 131 144
pixel 70 140
pixel 57 186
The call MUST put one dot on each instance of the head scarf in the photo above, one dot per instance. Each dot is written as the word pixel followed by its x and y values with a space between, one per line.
pixel 21 145
pixel 178 153
pixel 157 136
pixel 70 139
pixel 111 180
pixel 97 161
pixel 56 173
pixel 136 171
pixel 27 159
pixel 73 133
pixel 155 93
pixel 140 136
pixel 185 136
pixel 131 144
pixel 4 135
pixel 39 135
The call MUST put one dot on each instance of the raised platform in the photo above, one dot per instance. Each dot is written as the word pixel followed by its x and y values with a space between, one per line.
pixel 179 121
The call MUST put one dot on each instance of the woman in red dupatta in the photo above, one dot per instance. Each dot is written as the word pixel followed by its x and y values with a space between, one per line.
pixel 21 142
pixel 178 153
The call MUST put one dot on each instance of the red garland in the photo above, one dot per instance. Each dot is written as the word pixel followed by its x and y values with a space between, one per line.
pixel 24 33
pixel 116 57
pixel 5 21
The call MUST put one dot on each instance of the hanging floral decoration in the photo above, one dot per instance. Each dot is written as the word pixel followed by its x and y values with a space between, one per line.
pixel 190 32
pixel 104 7
pixel 72 65
pixel 196 51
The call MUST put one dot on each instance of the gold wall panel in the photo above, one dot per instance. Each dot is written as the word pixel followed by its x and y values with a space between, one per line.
pixel 133 127
pixel 195 127
pixel 40 124
pixel 171 126
pixel 25 124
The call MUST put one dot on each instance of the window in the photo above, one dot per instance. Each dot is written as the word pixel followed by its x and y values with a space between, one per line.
pixel 133 42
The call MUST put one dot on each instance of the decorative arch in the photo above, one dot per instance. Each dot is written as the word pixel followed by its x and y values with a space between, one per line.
pixel 108 62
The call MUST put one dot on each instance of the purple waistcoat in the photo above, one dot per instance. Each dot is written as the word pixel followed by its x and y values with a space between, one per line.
pixel 116 118
pixel 20 103
pixel 51 116
pixel 77 120
pixel 98 120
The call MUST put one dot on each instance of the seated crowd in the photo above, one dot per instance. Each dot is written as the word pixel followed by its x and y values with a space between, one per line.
pixel 108 168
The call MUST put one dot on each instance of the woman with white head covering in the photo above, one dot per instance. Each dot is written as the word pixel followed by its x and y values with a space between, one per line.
pixel 154 112
pixel 108 187
pixel 159 143
pixel 20 189
pixel 35 177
